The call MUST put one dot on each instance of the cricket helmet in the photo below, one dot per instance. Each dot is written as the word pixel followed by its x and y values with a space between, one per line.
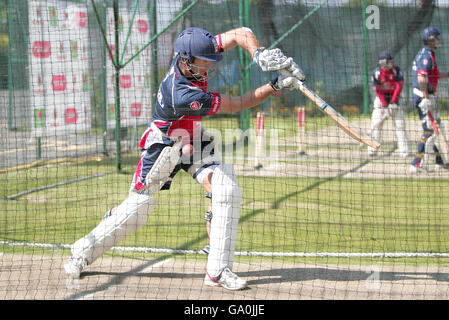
pixel 198 43
pixel 429 34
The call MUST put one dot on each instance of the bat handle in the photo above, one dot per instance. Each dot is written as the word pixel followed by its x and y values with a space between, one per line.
pixel 298 83
pixel 311 95
pixel 285 72
pixel 432 120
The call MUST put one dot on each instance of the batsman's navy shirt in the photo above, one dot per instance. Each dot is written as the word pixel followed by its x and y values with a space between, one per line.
pixel 426 64
pixel 180 106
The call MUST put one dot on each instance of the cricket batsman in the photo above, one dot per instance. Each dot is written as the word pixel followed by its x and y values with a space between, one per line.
pixel 425 83
pixel 387 81
pixel 182 101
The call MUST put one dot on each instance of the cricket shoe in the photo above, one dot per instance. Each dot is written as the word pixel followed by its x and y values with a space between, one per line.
pixel 227 279
pixel 206 249
pixel 439 166
pixel 414 169
pixel 74 266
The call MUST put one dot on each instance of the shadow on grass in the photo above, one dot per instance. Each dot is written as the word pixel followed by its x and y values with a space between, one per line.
pixel 334 274
pixel 281 275
pixel 267 277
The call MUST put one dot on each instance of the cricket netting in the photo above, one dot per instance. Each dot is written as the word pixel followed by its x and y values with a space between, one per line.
pixel 319 219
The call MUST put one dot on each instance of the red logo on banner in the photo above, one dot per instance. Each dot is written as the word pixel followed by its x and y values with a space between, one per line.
pixel 81 19
pixel 136 109
pixel 142 26
pixel 41 49
pixel 59 83
pixel 70 115
pixel 125 81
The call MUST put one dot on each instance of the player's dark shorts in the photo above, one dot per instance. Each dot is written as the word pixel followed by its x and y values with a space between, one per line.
pixel 198 165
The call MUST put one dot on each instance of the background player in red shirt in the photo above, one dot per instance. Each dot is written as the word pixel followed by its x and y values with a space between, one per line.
pixel 387 81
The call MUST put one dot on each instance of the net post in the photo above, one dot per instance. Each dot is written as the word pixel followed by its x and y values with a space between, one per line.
pixel 301 130
pixel 260 143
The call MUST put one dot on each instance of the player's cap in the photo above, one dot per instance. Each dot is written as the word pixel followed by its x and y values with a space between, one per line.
pixel 198 43
pixel 384 58
pixel 430 33
pixel 386 55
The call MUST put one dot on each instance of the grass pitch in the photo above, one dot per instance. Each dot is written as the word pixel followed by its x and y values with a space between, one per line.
pixel 278 214
pixel 325 206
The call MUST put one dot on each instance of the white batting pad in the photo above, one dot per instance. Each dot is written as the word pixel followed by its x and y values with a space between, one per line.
pixel 163 167
pixel 428 150
pixel 129 217
pixel 226 201
pixel 398 118
pixel 401 131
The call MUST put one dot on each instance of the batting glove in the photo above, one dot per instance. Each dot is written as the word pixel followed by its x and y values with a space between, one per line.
pixel 284 82
pixel 296 71
pixel 392 108
pixel 425 105
pixel 271 59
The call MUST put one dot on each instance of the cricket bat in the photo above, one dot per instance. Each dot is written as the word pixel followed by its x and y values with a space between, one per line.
pixel 341 122
pixel 443 147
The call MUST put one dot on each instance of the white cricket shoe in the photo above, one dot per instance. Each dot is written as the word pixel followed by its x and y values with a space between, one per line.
pixel 415 169
pixel 227 279
pixel 439 166
pixel 206 249
pixel 74 266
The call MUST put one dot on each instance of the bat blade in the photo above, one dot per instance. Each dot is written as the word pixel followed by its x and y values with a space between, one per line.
pixel 443 146
pixel 341 122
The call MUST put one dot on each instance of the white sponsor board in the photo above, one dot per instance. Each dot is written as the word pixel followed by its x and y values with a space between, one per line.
pixel 58 73
pixel 135 91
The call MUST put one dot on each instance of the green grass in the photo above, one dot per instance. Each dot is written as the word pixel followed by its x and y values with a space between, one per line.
pixel 282 215
pixel 278 214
